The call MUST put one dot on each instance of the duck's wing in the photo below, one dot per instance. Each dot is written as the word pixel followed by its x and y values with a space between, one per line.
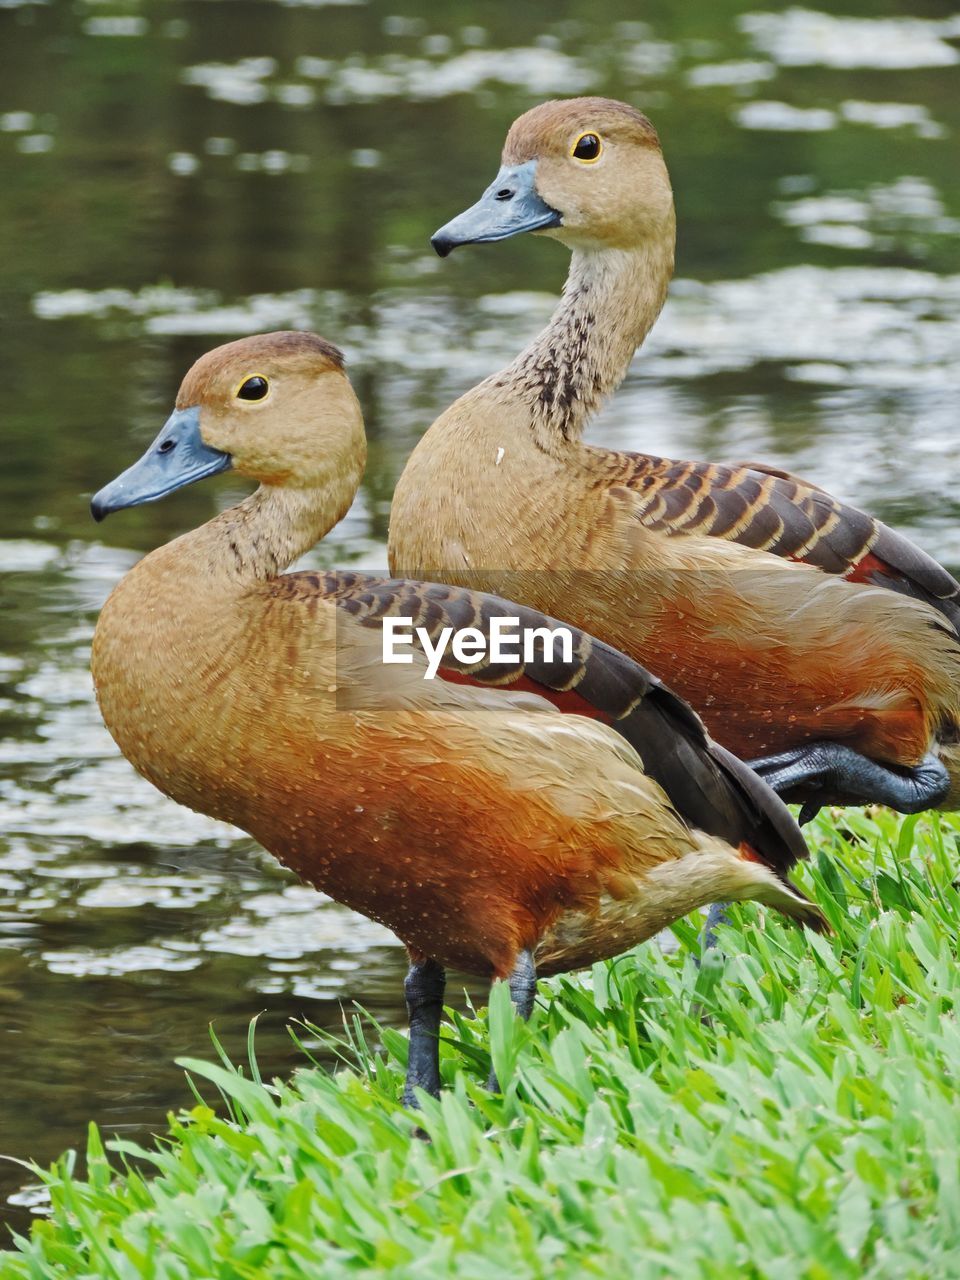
pixel 773 511
pixel 710 789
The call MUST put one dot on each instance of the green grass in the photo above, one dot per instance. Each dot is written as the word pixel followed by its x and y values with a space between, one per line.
pixel 788 1109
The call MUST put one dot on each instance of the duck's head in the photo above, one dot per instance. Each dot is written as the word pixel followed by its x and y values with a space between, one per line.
pixel 276 408
pixel 586 171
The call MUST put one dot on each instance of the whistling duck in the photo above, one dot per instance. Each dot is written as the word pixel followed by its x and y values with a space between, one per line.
pixel 486 829
pixel 753 593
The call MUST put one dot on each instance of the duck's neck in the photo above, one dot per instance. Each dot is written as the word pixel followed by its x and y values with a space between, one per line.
pixel 610 301
pixel 259 537
pixel 264 534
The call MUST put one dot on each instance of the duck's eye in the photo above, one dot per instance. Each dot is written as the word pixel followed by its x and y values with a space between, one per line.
pixel 254 388
pixel 587 147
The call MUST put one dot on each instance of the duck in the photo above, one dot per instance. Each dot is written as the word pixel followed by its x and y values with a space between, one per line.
pixel 518 816
pixel 816 642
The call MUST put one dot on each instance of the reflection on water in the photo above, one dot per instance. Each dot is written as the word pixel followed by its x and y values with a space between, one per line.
pixel 182 173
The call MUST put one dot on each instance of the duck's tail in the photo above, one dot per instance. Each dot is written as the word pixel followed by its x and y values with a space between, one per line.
pixel 778 892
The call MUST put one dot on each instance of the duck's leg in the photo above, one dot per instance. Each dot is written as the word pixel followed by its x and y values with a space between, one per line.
pixel 423 990
pixel 523 992
pixel 831 773
pixel 716 915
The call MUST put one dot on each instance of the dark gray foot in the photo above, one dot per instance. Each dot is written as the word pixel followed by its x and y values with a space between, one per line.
pixel 523 992
pixel 423 988
pixel 716 915
pixel 830 773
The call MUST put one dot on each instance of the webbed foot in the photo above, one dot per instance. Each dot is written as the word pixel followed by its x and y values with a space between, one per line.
pixel 830 773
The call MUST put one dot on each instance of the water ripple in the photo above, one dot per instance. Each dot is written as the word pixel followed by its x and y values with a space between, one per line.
pixel 804 38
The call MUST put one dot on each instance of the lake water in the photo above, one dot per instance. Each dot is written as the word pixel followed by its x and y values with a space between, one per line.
pixel 177 174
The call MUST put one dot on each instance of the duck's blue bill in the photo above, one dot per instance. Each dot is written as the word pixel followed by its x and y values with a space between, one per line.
pixel 509 206
pixel 176 458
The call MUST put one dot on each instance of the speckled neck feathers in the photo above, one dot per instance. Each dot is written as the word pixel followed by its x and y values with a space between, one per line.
pixel 264 534
pixel 610 302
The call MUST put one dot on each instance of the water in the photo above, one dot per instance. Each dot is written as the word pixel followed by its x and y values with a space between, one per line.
pixel 180 173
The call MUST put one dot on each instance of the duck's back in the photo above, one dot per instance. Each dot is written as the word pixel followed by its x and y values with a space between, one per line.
pixel 770 650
